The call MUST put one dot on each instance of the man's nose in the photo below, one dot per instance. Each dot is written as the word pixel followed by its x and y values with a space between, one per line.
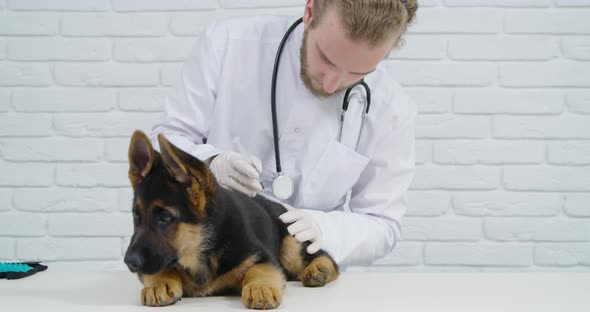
pixel 331 82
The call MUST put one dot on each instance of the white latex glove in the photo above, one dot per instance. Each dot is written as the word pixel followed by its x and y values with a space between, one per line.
pixel 238 172
pixel 303 228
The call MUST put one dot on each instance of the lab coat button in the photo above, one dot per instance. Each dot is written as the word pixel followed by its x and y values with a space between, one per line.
pixel 296 130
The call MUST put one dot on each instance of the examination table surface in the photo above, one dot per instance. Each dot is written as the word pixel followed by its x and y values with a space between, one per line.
pixel 353 291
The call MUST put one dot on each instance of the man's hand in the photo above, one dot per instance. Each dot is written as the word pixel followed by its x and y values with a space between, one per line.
pixel 303 228
pixel 238 172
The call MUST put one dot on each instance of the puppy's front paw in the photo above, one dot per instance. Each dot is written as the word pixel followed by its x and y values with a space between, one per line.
pixel 163 294
pixel 261 297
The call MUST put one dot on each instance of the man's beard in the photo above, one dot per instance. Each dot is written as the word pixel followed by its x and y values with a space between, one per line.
pixel 306 77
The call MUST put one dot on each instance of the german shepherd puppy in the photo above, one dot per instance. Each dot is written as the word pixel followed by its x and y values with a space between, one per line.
pixel 193 238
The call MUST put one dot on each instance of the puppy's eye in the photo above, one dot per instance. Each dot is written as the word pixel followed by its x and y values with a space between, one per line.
pixel 135 217
pixel 165 218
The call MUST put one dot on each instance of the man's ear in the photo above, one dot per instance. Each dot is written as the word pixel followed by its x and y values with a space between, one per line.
pixel 172 162
pixel 308 12
pixel 141 157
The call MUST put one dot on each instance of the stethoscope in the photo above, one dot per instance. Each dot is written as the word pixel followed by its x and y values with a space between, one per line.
pixel 282 185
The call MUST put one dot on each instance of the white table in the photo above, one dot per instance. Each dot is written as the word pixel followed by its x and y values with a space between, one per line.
pixel 354 291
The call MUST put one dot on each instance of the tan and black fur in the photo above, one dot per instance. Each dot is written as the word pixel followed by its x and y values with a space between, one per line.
pixel 193 238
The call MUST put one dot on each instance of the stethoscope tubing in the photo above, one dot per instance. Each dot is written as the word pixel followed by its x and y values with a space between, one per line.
pixel 275 130
pixel 365 112
pixel 273 94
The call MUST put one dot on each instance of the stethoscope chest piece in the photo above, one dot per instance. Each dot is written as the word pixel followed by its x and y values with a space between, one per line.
pixel 282 187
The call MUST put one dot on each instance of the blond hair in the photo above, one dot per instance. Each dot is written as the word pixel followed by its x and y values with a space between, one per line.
pixel 372 21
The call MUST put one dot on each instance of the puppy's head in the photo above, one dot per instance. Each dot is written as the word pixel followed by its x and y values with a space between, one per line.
pixel 171 190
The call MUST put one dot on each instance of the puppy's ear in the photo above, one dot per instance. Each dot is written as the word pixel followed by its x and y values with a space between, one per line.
pixel 172 162
pixel 141 157
pixel 191 172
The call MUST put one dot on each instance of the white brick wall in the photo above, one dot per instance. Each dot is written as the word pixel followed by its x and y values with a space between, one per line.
pixel 503 150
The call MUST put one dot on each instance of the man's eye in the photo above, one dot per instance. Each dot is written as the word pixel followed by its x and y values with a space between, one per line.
pixel 325 60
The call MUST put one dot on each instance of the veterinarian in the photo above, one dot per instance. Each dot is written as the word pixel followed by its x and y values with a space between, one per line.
pixel 344 180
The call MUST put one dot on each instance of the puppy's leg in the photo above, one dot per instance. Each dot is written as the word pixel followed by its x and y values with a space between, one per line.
pixel 312 270
pixel 161 289
pixel 292 257
pixel 263 287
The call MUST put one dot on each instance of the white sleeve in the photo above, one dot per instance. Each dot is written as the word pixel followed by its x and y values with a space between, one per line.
pixel 189 106
pixel 378 202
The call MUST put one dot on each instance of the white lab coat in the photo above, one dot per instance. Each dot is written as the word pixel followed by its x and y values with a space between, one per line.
pixel 224 94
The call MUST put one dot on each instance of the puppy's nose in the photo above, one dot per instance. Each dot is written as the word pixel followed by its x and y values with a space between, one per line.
pixel 134 261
